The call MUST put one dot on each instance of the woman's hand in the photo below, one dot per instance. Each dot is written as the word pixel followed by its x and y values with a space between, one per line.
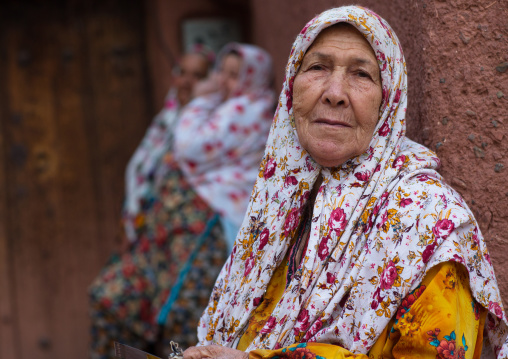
pixel 206 86
pixel 214 351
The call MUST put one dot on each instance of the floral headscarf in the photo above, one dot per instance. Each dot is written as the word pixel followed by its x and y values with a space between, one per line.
pixel 219 145
pixel 380 222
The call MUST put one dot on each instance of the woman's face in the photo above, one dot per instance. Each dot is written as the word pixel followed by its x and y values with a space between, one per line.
pixel 336 96
pixel 229 73
pixel 193 68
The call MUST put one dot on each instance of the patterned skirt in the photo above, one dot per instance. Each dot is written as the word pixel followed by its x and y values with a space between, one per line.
pixel 173 256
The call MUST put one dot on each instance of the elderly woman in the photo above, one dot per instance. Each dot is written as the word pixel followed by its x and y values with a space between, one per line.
pixel 158 289
pixel 353 245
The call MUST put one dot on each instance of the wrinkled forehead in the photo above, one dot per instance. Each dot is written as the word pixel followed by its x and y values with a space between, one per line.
pixel 372 27
pixel 344 32
pixel 342 38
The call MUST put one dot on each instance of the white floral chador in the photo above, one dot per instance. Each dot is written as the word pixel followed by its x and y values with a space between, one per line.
pixel 383 210
pixel 219 145
pixel 145 164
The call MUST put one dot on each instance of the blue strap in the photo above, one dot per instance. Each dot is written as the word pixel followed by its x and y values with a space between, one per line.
pixel 164 312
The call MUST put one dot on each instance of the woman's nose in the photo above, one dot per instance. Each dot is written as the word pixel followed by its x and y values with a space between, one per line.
pixel 336 91
pixel 186 78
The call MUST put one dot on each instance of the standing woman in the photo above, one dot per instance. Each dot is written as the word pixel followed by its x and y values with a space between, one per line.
pixel 353 246
pixel 220 137
pixel 158 289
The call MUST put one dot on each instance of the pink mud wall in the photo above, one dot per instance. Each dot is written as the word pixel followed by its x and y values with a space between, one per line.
pixel 457 58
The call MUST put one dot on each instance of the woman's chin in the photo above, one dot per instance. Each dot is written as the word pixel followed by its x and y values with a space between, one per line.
pixel 329 154
pixel 330 160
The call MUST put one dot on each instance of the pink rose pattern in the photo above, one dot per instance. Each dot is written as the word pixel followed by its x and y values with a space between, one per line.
pixel 330 278
pixel 337 221
pixel 496 308
pixel 389 275
pixel 379 221
pixel 290 181
pixel 405 202
pixel 269 325
pixel 269 168
pixel 362 176
pixel 443 228
pixel 249 264
pixel 323 248
pixel 399 162
pixel 263 238
pixel 428 252
pixel 292 221
pixel 384 130
pixel 302 322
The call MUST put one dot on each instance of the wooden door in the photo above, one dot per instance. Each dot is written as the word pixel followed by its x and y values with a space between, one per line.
pixel 73 106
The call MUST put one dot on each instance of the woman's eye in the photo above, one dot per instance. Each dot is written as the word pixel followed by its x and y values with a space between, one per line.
pixel 363 74
pixel 316 67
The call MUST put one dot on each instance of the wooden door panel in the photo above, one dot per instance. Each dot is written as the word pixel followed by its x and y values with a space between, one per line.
pixel 74 106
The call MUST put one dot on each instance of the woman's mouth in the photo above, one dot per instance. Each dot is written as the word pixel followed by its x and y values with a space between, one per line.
pixel 332 122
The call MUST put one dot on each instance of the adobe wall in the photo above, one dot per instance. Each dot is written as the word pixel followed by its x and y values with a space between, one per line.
pixel 466 103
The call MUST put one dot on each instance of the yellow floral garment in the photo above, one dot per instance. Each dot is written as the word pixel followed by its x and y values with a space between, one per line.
pixel 439 319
